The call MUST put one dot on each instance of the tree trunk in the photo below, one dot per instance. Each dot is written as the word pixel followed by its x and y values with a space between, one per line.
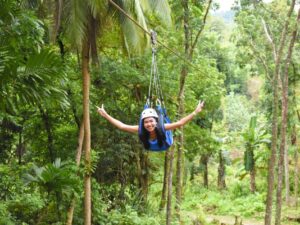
pixel 87 132
pixel 296 184
pixel 296 172
pixel 284 123
pixel 74 108
pixel 188 50
pixel 287 176
pixel 165 182
pixel 272 159
pixel 70 212
pixel 57 19
pixel 204 164
pixel 20 148
pixel 252 179
pixel 180 155
pixel 93 35
pixel 192 172
pixel 294 142
pixel 170 176
pixel 144 175
pixel 221 171
pixel 185 176
pixel 183 75
pixel 142 172
pixel 268 212
pixel 46 120
pixel 121 179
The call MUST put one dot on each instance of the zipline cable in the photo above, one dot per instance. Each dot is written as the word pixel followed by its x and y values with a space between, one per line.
pixel 147 32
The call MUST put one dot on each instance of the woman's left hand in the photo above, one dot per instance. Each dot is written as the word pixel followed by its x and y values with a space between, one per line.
pixel 199 107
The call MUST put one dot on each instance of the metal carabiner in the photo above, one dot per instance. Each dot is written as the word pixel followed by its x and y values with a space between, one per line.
pixel 158 102
pixel 153 37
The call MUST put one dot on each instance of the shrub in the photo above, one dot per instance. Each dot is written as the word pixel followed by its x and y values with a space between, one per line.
pixel 5 216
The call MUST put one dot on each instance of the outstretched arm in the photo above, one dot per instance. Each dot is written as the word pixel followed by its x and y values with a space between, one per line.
pixel 117 123
pixel 186 119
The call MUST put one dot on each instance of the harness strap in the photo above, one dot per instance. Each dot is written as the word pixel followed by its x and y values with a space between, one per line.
pixel 154 84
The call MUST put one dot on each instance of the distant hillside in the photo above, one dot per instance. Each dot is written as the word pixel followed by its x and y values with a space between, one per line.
pixel 227 16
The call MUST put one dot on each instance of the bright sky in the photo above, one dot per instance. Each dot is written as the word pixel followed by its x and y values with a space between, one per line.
pixel 225 5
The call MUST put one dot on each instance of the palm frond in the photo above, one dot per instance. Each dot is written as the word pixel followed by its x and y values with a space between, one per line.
pixel 98 7
pixel 35 81
pixel 4 58
pixel 77 21
pixel 160 8
pixel 134 36
pixel 53 177
pixel 57 15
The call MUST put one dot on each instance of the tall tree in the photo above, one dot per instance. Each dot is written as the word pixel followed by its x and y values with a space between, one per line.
pixel 295 142
pixel 296 156
pixel 77 160
pixel 284 114
pixel 189 48
pixel 278 59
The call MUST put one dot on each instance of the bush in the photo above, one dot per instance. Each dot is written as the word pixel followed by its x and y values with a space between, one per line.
pixel 5 216
pixel 131 217
pixel 239 189
pixel 26 207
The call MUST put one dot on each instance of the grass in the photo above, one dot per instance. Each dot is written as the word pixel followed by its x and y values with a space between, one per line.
pixel 236 200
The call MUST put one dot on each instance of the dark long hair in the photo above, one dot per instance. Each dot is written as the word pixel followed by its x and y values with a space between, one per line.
pixel 144 135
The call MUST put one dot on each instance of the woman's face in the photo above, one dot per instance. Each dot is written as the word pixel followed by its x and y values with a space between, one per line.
pixel 150 124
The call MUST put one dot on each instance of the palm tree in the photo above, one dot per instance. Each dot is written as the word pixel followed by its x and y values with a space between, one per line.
pixel 57 179
pixel 30 74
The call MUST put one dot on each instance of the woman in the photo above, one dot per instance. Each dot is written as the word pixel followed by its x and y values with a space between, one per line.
pixel 152 132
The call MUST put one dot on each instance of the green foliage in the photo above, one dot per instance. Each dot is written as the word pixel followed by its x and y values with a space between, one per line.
pixel 193 207
pixel 32 82
pixel 249 160
pixel 100 204
pixel 33 74
pixel 199 141
pixel 56 177
pixel 21 203
pixel 111 209
pixel 235 201
pixel 239 189
pixel 91 167
pixel 131 217
pixel 6 182
pixel 30 71
pixel 5 216
pixel 133 38
pixel 11 184
pixel 254 136
pixel 237 112
pixel 26 207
